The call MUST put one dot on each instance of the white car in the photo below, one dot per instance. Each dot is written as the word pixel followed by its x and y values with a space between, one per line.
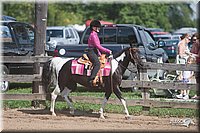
pixel 62 35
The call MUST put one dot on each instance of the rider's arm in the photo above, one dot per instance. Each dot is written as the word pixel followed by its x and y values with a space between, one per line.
pixel 98 45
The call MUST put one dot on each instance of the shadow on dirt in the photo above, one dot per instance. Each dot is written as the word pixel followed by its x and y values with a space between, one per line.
pixel 78 113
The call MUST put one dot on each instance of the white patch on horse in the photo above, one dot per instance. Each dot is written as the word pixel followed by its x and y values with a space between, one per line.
pixel 115 62
pixel 56 64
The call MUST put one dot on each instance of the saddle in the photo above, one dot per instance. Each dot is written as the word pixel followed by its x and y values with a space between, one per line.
pixel 88 65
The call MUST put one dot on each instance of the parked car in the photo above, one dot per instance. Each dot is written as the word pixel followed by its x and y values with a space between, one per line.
pixel 170 47
pixel 63 35
pixel 162 36
pixel 183 30
pixel 8 18
pixel 155 30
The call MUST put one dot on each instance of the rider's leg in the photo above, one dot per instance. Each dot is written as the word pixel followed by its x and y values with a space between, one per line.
pixel 96 65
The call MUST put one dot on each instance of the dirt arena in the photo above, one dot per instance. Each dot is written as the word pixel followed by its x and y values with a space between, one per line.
pixel 41 120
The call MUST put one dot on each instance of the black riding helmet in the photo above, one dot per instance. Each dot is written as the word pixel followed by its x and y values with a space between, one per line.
pixel 95 23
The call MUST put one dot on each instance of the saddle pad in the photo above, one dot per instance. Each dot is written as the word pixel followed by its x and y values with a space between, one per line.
pixel 79 69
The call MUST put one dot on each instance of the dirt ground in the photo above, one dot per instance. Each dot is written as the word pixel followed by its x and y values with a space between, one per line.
pixel 41 120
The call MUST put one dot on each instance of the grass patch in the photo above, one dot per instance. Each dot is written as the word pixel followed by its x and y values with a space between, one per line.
pixel 170 112
pixel 16 104
pixel 133 110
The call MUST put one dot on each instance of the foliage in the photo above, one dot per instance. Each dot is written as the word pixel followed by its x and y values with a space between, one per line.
pixel 21 11
pixel 161 15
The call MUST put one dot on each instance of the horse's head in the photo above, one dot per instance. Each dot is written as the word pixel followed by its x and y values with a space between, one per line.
pixel 135 57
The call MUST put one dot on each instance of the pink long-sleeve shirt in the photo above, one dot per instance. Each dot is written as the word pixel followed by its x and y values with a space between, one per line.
pixel 94 42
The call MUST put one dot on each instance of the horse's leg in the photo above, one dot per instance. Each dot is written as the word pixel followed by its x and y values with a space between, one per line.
pixel 65 94
pixel 107 95
pixel 54 95
pixel 119 95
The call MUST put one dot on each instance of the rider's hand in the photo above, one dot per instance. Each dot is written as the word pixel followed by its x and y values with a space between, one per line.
pixel 110 56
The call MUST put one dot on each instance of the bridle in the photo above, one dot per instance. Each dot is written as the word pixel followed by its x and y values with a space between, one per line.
pixel 132 58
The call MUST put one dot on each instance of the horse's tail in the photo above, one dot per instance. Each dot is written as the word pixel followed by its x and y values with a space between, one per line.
pixel 47 75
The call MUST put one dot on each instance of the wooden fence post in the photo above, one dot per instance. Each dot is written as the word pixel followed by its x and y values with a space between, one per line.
pixel 144 77
pixel 145 91
pixel 39 42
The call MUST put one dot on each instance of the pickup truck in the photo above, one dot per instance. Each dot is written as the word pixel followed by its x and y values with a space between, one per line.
pixel 64 35
pixel 116 37
pixel 17 39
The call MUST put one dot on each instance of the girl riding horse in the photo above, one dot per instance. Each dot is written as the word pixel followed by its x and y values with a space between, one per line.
pixel 58 71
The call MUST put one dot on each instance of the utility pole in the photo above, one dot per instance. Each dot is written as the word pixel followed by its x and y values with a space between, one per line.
pixel 39 42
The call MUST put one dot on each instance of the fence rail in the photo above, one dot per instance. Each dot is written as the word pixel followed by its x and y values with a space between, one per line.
pixel 145 84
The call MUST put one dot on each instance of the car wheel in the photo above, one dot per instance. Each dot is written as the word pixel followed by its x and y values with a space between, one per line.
pixel 4 84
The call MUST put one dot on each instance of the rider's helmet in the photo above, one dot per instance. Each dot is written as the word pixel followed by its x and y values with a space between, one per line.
pixel 95 23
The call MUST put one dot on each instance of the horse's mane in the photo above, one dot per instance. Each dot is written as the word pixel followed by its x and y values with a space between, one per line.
pixel 119 53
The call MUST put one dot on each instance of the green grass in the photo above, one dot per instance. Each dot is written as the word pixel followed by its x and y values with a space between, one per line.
pixel 133 110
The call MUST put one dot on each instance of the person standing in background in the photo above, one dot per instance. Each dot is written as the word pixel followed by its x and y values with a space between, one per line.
pixel 187 77
pixel 195 50
pixel 183 52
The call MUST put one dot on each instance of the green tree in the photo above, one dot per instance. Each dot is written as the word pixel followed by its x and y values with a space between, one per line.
pixel 161 15
pixel 180 15
pixel 21 11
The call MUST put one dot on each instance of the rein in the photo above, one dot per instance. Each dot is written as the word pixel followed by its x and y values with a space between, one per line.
pixel 127 67
pixel 124 66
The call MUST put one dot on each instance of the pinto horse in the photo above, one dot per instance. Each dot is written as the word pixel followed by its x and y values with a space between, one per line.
pixel 58 71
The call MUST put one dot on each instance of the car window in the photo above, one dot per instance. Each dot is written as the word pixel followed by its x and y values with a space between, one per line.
pixel 110 35
pixel 142 36
pixel 5 34
pixel 67 34
pixel 149 38
pixel 113 35
pixel 87 34
pixel 124 35
pixel 24 33
pixel 72 34
pixel 30 32
pixel 55 33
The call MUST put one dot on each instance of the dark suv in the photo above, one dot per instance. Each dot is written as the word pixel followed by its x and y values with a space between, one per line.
pixel 17 39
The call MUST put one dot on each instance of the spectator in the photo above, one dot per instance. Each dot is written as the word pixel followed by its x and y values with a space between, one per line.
pixel 183 51
pixel 187 76
pixel 195 50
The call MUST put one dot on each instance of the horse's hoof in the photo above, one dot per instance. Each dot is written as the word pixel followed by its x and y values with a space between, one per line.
pixel 71 112
pixel 102 117
pixel 128 117
pixel 53 114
